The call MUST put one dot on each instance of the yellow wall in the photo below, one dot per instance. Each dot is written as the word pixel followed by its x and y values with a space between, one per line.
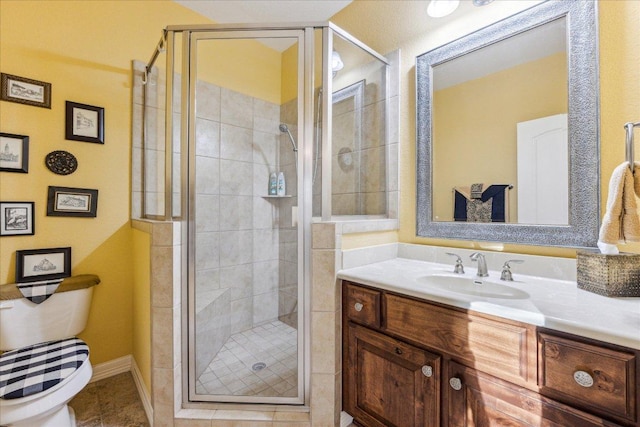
pixel 475 126
pixel 289 74
pixel 141 301
pixel 620 88
pixel 84 49
pixel 244 66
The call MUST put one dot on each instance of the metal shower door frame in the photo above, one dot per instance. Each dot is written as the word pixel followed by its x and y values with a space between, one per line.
pixel 191 35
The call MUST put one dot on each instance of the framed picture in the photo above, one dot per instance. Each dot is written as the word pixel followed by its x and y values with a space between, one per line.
pixel 16 219
pixel 84 123
pixel 43 264
pixel 65 201
pixel 25 91
pixel 14 153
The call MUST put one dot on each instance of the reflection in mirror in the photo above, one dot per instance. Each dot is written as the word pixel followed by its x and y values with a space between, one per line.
pixel 481 101
pixel 360 94
pixel 507 131
pixel 347 143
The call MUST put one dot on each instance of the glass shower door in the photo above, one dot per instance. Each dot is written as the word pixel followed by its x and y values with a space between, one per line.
pixel 245 329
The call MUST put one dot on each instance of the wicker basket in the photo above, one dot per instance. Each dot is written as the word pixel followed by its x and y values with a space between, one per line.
pixel 609 275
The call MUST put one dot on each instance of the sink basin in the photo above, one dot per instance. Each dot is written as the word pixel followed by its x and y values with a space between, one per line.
pixel 468 286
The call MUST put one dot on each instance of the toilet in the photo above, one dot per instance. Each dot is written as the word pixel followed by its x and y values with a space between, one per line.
pixel 43 364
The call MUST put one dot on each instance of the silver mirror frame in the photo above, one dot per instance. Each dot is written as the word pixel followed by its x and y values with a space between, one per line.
pixel 583 116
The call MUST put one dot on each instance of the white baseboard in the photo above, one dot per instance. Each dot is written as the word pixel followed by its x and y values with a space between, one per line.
pixel 145 397
pixel 111 368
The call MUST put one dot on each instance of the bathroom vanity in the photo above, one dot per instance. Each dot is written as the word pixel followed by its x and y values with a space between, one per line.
pixel 415 356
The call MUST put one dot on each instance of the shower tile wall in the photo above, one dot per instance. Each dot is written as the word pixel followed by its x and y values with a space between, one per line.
pixel 246 267
pixel 151 177
pixel 346 159
pixel 237 238
pixel 152 174
pixel 359 160
pixel 288 238
pixel 362 152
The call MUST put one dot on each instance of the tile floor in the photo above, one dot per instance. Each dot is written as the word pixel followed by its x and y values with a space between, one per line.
pixel 112 402
pixel 233 371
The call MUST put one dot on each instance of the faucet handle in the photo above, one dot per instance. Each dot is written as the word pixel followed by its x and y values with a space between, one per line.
pixel 459 268
pixel 506 269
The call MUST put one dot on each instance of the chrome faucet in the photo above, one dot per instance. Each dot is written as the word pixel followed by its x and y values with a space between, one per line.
pixel 482 264
pixel 506 269
pixel 459 268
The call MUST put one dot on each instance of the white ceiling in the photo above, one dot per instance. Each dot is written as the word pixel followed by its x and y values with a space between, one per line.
pixel 277 11
pixel 528 46
pixel 266 11
pixel 305 11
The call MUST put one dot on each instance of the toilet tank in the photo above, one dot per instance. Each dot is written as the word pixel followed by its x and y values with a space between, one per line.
pixel 24 323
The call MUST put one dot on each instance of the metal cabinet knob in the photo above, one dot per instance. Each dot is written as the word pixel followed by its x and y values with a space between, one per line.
pixel 427 371
pixel 455 383
pixel 583 378
pixel 358 306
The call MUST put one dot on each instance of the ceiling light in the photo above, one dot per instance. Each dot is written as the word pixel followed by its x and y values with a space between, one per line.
pixel 336 61
pixel 440 8
pixel 481 2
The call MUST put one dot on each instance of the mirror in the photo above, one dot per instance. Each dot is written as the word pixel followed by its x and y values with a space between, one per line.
pixel 507 131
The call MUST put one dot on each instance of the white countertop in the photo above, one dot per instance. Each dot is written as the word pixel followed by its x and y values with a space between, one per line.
pixel 552 303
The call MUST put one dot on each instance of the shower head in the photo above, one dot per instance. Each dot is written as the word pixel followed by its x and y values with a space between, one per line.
pixel 284 128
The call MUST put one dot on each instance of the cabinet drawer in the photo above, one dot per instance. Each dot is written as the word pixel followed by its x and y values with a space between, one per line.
pixel 585 374
pixel 362 305
pixel 501 348
pixel 476 399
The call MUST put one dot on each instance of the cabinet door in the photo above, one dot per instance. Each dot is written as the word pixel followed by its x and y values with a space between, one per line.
pixel 479 400
pixel 388 382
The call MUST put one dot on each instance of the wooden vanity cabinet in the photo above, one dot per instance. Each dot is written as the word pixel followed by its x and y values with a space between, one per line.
pixel 479 400
pixel 483 370
pixel 393 383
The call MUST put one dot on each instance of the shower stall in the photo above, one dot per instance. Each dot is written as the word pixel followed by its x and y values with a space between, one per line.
pixel 223 108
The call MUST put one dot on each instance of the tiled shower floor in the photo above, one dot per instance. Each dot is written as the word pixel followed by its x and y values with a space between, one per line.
pixel 231 373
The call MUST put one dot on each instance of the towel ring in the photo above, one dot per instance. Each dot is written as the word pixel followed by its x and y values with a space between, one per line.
pixel 629 143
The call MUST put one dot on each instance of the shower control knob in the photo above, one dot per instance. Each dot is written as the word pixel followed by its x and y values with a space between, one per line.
pixel 427 371
pixel 455 383
pixel 358 306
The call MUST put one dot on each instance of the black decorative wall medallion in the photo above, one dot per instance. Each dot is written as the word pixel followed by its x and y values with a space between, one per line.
pixel 61 162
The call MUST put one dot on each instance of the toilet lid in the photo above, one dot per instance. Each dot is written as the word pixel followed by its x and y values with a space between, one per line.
pixel 33 369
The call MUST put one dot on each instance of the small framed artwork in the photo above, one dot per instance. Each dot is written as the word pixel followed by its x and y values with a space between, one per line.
pixel 43 264
pixel 14 153
pixel 25 91
pixel 16 219
pixel 84 123
pixel 65 201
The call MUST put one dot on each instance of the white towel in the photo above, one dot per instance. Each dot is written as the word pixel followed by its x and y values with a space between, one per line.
pixel 621 222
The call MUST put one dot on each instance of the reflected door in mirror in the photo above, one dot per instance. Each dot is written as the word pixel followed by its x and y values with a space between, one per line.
pixel 543 178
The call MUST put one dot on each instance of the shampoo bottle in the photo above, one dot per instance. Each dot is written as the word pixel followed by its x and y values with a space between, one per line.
pixel 281 184
pixel 273 184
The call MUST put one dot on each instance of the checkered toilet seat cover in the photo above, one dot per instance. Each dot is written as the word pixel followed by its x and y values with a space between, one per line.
pixel 33 369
